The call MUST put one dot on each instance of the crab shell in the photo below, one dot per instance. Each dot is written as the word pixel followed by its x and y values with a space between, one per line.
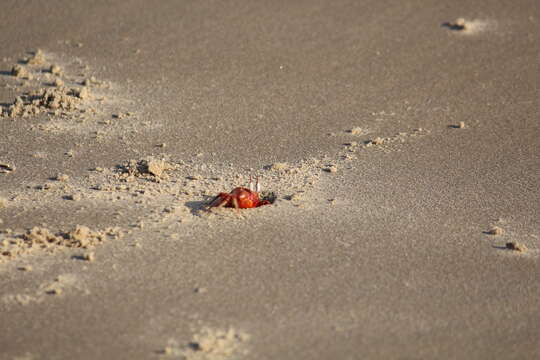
pixel 243 197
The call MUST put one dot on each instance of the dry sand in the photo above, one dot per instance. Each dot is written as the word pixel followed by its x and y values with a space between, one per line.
pixel 401 140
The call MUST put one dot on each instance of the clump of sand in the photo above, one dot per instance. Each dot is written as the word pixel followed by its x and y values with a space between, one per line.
pixel 37 58
pixel 377 141
pixel 74 197
pixel 466 26
pixel 280 166
pixel 61 177
pixel 515 246
pixel 458 24
pixel 6 168
pixel 55 70
pixel 83 237
pixel 331 168
pixel 150 168
pixel 39 238
pixel 45 100
pixel 20 72
pixel 91 256
pixel 210 344
pixel 495 231
pixel 356 131
pixel 59 284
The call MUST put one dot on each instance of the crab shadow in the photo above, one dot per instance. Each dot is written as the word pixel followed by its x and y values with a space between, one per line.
pixel 197 208
pixel 452 26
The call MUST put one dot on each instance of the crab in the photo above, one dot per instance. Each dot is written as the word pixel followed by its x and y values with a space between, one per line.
pixel 243 198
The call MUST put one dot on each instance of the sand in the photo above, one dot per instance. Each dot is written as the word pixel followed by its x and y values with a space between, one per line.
pixel 400 140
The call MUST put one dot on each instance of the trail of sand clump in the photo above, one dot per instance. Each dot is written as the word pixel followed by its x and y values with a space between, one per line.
pixel 39 239
pixel 59 286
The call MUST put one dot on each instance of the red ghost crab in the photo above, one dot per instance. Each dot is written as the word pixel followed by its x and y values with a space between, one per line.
pixel 243 198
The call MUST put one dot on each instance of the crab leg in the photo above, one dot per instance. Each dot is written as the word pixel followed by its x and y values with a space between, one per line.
pixel 223 203
pixel 218 201
pixel 213 202
pixel 235 205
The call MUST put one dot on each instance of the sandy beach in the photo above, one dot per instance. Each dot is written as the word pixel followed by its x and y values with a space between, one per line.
pixel 401 141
